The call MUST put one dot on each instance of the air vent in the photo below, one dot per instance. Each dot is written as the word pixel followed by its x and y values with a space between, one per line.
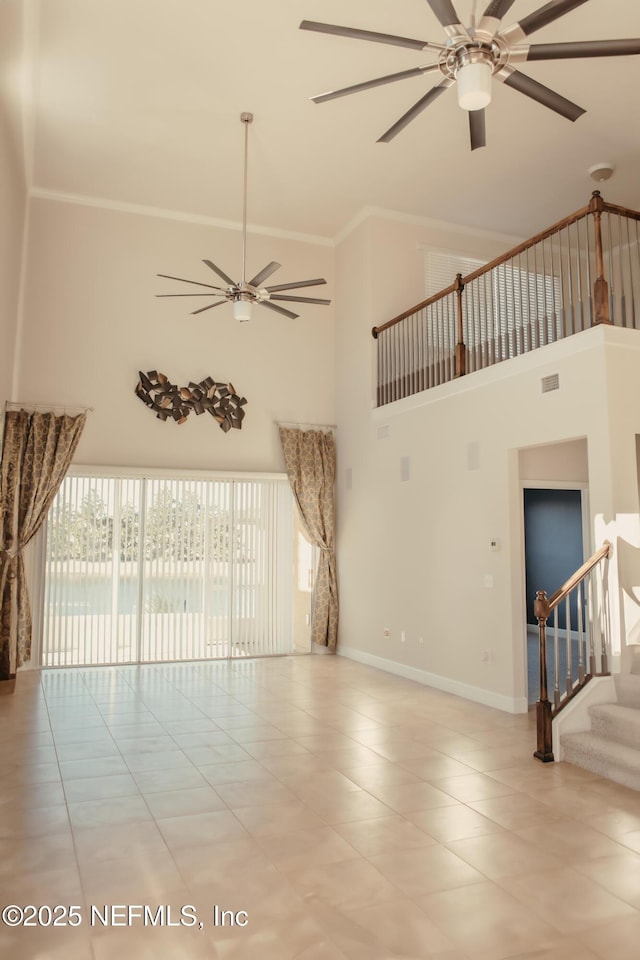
pixel 550 383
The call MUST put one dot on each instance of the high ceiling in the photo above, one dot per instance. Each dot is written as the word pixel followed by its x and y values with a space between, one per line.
pixel 138 102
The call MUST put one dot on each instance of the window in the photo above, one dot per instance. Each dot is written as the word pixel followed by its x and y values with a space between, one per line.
pixel 441 268
pixel 152 569
pixel 498 302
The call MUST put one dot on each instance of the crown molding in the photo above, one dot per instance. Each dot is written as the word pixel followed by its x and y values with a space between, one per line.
pixel 118 206
pixel 382 213
pixel 366 213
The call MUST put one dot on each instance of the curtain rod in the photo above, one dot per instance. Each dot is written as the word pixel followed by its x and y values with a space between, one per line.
pixel 300 426
pixel 48 407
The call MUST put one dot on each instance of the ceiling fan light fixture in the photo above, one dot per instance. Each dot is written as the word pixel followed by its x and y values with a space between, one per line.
pixel 473 80
pixel 242 309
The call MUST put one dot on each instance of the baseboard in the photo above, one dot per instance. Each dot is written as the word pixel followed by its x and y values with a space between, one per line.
pixel 466 690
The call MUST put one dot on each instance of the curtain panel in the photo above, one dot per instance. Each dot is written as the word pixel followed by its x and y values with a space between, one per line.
pixel 37 450
pixel 310 459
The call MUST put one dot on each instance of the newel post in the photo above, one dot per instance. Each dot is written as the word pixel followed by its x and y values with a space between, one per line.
pixel 461 350
pixel 543 705
pixel 601 287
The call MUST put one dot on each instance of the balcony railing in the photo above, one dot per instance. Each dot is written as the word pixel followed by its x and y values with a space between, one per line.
pixel 582 271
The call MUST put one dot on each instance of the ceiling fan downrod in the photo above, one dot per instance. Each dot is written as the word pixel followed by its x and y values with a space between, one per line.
pixel 246 118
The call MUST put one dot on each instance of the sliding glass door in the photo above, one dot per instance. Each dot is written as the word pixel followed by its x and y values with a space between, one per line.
pixel 161 568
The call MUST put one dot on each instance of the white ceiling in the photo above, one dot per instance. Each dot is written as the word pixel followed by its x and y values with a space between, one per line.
pixel 139 102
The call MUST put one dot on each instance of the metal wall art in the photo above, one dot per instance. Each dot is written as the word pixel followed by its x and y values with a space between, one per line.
pixel 176 403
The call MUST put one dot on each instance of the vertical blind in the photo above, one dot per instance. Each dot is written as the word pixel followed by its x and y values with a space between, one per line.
pixel 504 296
pixel 155 569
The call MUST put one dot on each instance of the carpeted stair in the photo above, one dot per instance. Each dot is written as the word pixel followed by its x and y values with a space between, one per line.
pixel 612 747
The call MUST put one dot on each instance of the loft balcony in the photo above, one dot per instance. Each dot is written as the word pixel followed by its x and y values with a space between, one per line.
pixel 580 272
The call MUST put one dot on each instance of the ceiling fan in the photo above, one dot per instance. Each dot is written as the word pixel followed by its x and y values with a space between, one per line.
pixel 245 292
pixel 471 56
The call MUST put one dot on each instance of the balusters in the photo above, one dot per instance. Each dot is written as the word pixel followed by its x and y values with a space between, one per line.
pixel 613 271
pixel 394 364
pixel 591 625
pixel 567 298
pixel 497 306
pixel 634 269
pixel 433 341
pixel 517 315
pixel 604 622
pixel 579 266
pixel 472 302
pixel 556 661
pixel 581 636
pixel 627 277
pixel 567 605
pixel 406 359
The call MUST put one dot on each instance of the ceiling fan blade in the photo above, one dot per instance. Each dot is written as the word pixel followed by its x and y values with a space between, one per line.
pixel 221 273
pixel 356 34
pixel 378 82
pixel 497 9
pixel 583 48
pixel 540 93
pixel 187 294
pixel 445 12
pixel 415 110
pixel 209 307
pixel 477 129
pixel 296 284
pixel 182 280
pixel 273 306
pixel 547 14
pixel 282 296
pixel 266 272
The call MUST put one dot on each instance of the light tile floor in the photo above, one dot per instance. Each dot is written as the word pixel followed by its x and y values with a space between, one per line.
pixel 353 815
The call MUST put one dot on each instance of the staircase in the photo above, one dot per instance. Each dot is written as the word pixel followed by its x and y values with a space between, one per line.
pixel 612 747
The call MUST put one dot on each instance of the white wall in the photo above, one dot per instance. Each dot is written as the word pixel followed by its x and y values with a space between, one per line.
pixel 563 462
pixel 620 520
pixel 414 556
pixel 13 195
pixel 92 321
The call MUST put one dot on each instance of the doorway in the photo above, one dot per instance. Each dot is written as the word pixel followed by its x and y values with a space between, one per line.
pixel 554 549
pixel 145 569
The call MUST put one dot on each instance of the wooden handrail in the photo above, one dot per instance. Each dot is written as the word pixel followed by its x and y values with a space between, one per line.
pixel 595 207
pixel 420 306
pixel 621 211
pixel 527 244
pixel 606 550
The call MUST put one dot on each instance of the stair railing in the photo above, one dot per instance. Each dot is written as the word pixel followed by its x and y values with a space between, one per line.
pixel 580 272
pixel 582 604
